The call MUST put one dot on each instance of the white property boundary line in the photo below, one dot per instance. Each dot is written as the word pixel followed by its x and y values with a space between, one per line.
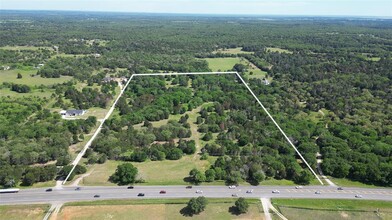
pixel 80 155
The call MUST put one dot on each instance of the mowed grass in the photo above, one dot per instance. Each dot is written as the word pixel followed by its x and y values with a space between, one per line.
pixel 167 172
pixel 278 50
pixel 237 50
pixel 155 209
pixel 333 209
pixel 17 212
pixel 27 79
pixel 227 64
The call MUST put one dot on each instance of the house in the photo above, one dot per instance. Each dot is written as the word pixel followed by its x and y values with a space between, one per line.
pixel 72 112
pixel 6 67
pixel 266 82
pixel 108 79
pixel 97 55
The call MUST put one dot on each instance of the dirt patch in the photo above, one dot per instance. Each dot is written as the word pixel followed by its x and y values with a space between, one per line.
pixel 344 215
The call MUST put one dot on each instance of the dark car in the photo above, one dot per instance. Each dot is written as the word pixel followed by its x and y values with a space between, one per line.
pixel 140 194
pixel 77 188
pixel 162 192
pixel 49 190
pixel 130 187
pixel 97 196
pixel 340 188
pixel 189 187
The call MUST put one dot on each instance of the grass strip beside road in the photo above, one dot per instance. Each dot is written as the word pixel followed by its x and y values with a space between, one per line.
pixel 153 201
pixel 334 204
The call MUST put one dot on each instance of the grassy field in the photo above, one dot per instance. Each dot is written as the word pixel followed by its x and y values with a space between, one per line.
pixel 24 48
pixel 155 209
pixel 45 93
pixel 27 79
pixel 237 50
pixel 279 50
pixel 17 212
pixel 226 64
pixel 167 172
pixel 350 183
pixel 333 209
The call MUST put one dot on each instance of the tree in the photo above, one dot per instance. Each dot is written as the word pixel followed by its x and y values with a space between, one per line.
pixel 242 205
pixel 304 177
pixel 125 174
pixel 210 175
pixel 197 205
pixel 19 76
pixel 174 154
pixel 207 136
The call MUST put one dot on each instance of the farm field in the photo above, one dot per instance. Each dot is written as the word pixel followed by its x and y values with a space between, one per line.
pixel 17 212
pixel 155 209
pixel 333 209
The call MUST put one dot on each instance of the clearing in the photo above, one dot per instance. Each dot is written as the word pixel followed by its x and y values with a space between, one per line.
pixel 28 79
pixel 333 209
pixel 17 212
pixel 155 209
pixel 226 64
pixel 237 50
pixel 167 172
pixel 278 50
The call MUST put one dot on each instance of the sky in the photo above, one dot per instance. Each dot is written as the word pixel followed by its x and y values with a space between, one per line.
pixel 379 8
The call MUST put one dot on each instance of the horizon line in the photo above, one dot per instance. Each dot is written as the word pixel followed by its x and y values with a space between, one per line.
pixel 204 14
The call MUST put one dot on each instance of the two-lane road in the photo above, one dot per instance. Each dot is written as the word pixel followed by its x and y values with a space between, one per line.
pixel 69 194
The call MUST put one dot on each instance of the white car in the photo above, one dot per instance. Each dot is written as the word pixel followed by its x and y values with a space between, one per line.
pixel 317 192
pixel 232 187
pixel 299 187
pixel 275 191
pixel 358 196
pixel 199 191
pixel 249 191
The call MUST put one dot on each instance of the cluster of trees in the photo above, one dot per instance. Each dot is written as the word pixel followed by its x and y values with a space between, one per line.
pixel 31 135
pixel 87 98
pixel 20 88
pixel 197 205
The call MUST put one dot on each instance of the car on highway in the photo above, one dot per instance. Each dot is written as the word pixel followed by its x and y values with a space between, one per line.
pixel 130 187
pixel 234 195
pixel 49 190
pixel 358 196
pixel 162 192
pixel 299 187
pixel 188 187
pixel 317 192
pixel 276 191
pixel 340 188
pixel 97 196
pixel 249 191
pixel 140 194
pixel 77 188
pixel 232 187
pixel 199 191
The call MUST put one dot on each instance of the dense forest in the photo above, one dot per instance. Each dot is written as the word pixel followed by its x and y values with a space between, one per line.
pixel 335 67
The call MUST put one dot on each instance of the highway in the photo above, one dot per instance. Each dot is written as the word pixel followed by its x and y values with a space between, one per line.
pixel 86 193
